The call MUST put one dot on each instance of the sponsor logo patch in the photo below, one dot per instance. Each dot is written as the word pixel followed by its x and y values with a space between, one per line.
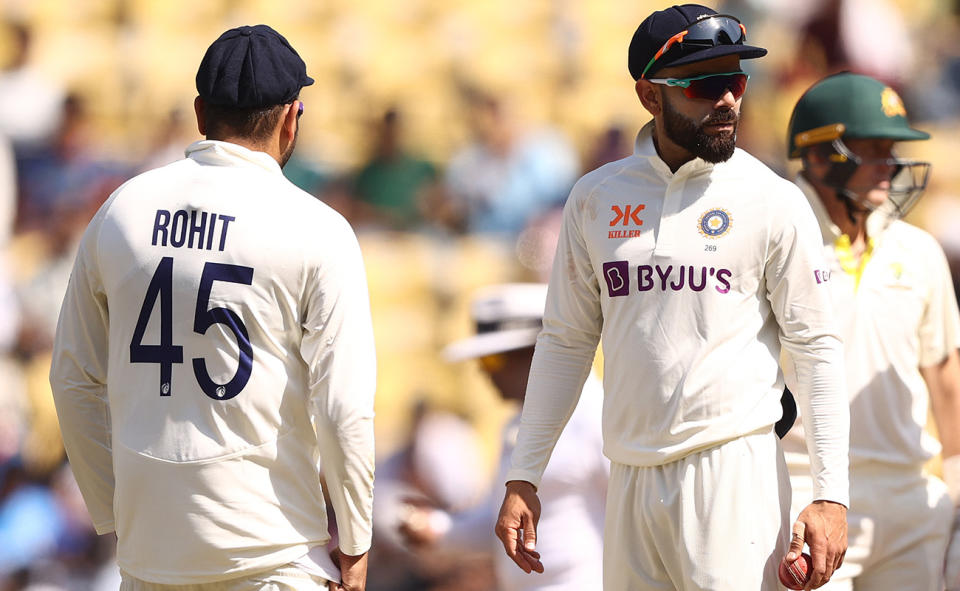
pixel 669 278
pixel 626 215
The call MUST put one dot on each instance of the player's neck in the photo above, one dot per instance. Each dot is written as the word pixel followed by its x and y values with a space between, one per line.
pixel 252 145
pixel 851 221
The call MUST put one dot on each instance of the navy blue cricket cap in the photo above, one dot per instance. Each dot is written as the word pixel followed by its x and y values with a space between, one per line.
pixel 251 67
pixel 659 27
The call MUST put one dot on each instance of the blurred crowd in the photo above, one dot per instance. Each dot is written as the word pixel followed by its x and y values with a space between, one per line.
pixel 453 179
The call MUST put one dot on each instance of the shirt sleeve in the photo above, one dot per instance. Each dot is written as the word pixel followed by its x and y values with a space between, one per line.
pixel 338 348
pixel 565 349
pixel 796 275
pixel 78 379
pixel 940 326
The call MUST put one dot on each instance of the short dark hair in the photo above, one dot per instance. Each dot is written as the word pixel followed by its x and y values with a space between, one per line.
pixel 254 123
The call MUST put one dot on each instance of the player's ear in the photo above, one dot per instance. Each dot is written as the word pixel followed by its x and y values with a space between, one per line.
pixel 200 109
pixel 289 120
pixel 649 96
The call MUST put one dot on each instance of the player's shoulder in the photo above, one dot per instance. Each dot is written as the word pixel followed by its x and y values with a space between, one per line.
pixel 603 176
pixel 745 163
pixel 764 184
pixel 916 238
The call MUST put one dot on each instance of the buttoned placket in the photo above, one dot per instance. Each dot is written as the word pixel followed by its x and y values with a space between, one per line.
pixel 671 232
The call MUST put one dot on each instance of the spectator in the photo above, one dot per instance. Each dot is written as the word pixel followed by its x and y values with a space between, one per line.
pixel 391 186
pixel 29 100
pixel 574 486
pixel 507 174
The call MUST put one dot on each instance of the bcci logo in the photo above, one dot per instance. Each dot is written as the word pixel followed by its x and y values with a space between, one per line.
pixel 714 223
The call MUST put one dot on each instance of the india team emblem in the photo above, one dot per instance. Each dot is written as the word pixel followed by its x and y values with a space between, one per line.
pixel 714 223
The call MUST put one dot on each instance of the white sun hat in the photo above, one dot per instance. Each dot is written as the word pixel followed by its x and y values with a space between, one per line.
pixel 506 317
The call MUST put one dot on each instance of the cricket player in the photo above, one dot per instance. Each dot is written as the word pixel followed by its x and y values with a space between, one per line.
pixel 897 312
pixel 696 264
pixel 508 318
pixel 214 342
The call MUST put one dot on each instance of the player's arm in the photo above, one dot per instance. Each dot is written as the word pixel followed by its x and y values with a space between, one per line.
pixel 561 362
pixel 940 365
pixel 797 291
pixel 78 379
pixel 339 351
pixel 943 383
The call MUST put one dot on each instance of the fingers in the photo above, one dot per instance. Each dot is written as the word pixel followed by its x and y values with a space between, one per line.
pixel 509 535
pixel 529 535
pixel 825 534
pixel 796 542
pixel 529 556
pixel 520 549
pixel 517 525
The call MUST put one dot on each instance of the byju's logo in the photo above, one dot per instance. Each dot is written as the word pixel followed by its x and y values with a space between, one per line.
pixel 626 215
pixel 669 278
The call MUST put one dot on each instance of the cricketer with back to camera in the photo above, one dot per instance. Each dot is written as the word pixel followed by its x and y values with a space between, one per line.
pixel 720 268
pixel 214 343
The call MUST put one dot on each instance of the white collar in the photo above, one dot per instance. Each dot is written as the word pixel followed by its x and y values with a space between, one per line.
pixel 644 148
pixel 877 220
pixel 217 153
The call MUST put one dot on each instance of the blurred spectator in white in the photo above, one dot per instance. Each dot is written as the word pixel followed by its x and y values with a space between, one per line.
pixel 391 187
pixel 441 467
pixel 876 41
pixel 29 100
pixel 508 318
pixel 40 288
pixel 507 174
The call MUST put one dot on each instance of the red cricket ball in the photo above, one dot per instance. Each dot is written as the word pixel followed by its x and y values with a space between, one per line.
pixel 796 575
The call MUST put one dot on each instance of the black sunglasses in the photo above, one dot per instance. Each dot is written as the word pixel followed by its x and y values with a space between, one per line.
pixel 716 29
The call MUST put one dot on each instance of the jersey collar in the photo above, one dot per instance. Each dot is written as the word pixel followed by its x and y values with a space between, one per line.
pixel 217 153
pixel 877 221
pixel 643 147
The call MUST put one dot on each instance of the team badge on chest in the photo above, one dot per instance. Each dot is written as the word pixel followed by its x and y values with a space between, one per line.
pixel 714 223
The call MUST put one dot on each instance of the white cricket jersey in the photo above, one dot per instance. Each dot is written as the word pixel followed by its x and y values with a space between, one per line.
pixel 214 342
pixel 902 316
pixel 695 279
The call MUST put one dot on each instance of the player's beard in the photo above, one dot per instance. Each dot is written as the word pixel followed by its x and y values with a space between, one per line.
pixel 689 135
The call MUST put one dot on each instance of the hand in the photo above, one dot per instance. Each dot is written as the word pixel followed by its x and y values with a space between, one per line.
pixel 823 526
pixel 517 525
pixel 353 572
pixel 417 525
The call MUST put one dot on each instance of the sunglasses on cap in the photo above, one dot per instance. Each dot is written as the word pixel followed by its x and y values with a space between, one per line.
pixel 709 86
pixel 716 29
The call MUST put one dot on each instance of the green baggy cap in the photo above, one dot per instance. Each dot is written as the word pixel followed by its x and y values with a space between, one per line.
pixel 848 105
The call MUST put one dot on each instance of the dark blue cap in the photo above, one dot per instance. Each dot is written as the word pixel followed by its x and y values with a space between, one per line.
pixel 660 26
pixel 251 67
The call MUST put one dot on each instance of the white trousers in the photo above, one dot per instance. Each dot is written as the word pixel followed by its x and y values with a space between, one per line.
pixel 898 527
pixel 284 578
pixel 716 520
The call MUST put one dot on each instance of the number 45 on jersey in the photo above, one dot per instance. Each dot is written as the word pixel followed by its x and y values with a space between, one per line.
pixel 166 353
